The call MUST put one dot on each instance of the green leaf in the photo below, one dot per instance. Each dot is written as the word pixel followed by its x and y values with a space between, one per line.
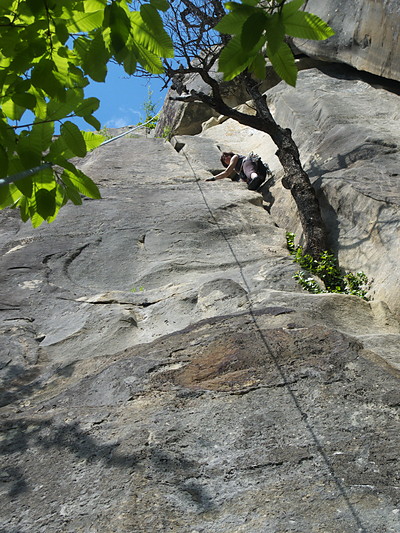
pixel 58 148
pixel 36 6
pixel 25 186
pixel 155 41
pixel 73 138
pixel 9 194
pixel 232 23
pixel 130 63
pixel 85 22
pixel 29 153
pixel 22 59
pixel 258 66
pixel 40 109
pixel 252 30
pixel 87 107
pixel 61 71
pixel 43 77
pixel 307 26
pixel 292 7
pixel 45 202
pixel 118 21
pixel 61 199
pixel 283 63
pixel 56 110
pixel 161 5
pixel 70 190
pixel 3 162
pixel 151 17
pixel 94 5
pixel 41 136
pixel 44 179
pixel 233 59
pixel 151 62
pixel 275 32
pixel 62 32
pixel 82 183
pixel 26 100
pixel 21 86
pixel 92 121
pixel 94 56
pixel 92 140
pixel 23 209
pixel 36 219
pixel 12 110
pixel 10 39
pixel 8 138
pixel 6 6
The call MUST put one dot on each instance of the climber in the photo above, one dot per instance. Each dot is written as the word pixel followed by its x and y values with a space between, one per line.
pixel 239 167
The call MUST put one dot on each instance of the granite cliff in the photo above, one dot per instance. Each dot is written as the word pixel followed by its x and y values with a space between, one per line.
pixel 161 369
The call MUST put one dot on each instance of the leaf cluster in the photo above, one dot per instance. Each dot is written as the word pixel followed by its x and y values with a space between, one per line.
pixel 328 271
pixel 49 52
pixel 260 29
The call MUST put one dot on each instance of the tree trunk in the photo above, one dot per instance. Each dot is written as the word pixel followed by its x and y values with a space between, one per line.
pixel 295 178
pixel 298 182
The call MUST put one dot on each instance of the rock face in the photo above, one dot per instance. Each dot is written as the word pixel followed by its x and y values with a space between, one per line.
pixel 367 35
pixel 186 118
pixel 352 154
pixel 347 132
pixel 163 372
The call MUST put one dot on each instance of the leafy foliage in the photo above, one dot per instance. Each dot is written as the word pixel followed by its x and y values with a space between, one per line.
pixel 259 29
pixel 327 269
pixel 49 52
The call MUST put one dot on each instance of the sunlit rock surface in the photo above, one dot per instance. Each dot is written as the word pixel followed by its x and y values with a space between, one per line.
pixel 161 369
pixel 366 35
pixel 348 135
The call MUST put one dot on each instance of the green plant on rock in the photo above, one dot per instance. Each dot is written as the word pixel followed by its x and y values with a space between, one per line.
pixel 149 107
pixel 167 133
pixel 104 132
pixel 135 289
pixel 327 269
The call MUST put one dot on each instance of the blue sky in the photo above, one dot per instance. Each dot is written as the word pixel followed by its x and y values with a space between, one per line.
pixel 122 97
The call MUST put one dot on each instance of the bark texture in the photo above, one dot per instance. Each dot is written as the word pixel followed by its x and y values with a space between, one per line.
pixel 295 179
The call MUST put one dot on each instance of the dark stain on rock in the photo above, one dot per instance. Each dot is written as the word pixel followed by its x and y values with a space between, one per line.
pixel 224 365
pixel 244 360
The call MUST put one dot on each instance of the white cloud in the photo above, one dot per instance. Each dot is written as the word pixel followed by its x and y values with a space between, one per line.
pixel 117 122
pixel 126 117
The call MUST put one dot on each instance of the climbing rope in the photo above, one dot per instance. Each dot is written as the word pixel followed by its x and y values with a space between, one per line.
pixel 285 378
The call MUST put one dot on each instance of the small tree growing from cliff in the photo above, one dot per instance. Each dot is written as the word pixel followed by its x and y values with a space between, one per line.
pixel 207 37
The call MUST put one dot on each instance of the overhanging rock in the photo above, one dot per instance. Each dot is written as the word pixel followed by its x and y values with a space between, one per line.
pixel 367 35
